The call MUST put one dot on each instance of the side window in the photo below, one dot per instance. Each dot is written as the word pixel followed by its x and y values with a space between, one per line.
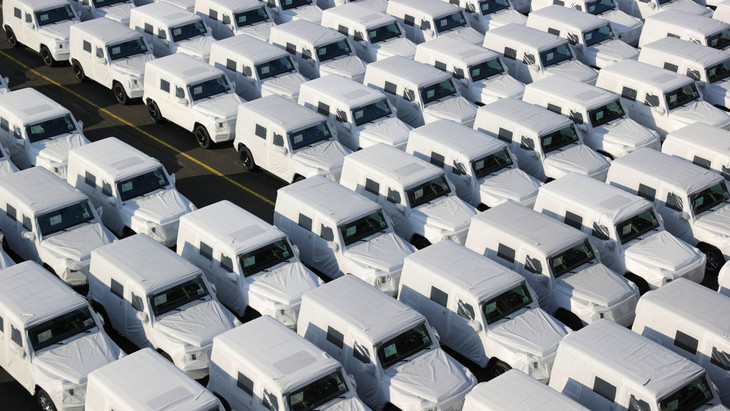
pixel 226 263
pixel 393 196
pixel 335 337
pixel 213 14
pixel 17 13
pixel 87 46
pixel 408 20
pixel 510 53
pixel 672 35
pixel 206 251
pixel 372 186
pixel 389 87
pixel 90 179
pixel 651 100
pixel 305 222
pixel 27 225
pixel 439 65
pixel 437 159
pixel 226 19
pixel 246 70
pixel 573 220
pixel 673 202
pixel 553 31
pixel 117 288
pixel 231 64
pixel 533 265
pixel 439 297
pixel 165 86
pixel 323 108
pixel 719 358
pixel 647 192
pixel 670 67
pixel 358 36
pixel 342 29
pixel 147 29
pixel 636 404
pixel 360 353
pixel 685 342
pixel 11 212
pixel 269 401
pixel 693 74
pixel 245 384
pixel 290 48
pixel 137 303
pixel 179 92
pixel 704 163
pixel 506 253
pixel 99 52
pixel 554 108
pixel 16 336
pixel 28 18
pixel 505 135
pixel 600 232
pixel 604 389
pixel 628 93
pixel 106 189
pixel 260 131
pixel 326 233
pixel 162 34
pixel 306 54
pixel 2 325
pixel 4 124
pixel 465 310
pixel 425 25
pixel 576 117
pixel 527 143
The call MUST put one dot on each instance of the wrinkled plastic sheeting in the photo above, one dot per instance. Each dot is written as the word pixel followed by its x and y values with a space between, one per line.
pixel 535 332
pixel 197 47
pixel 223 106
pixel 456 109
pixel 287 86
pixel 449 212
pixel 501 86
pixel 260 31
pixel 327 155
pixel 513 184
pixel 162 206
pixel 599 285
pixel 60 30
pixel 133 65
pixel 350 67
pixel 699 111
pixel 385 252
pixel 663 250
pixel 625 132
pixel 55 149
pixel 391 131
pixel 350 404
pixel 723 280
pixel 285 285
pixel 617 49
pixel 79 242
pixel 196 325
pixel 575 70
pixel 579 159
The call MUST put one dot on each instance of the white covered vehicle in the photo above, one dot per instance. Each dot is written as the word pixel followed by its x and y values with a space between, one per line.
pixel 646 8
pixel 686 26
pixel 51 339
pixel 116 10
pixel 228 18
pixel 703 145
pixel 484 15
pixel 285 11
pixel 134 190
pixel 426 20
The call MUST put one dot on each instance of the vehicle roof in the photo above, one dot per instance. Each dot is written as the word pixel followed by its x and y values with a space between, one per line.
pixel 579 190
pixel 329 198
pixel 515 390
pixel 688 21
pixel 279 109
pixel 234 226
pixel 635 358
pixel 167 13
pixel 250 48
pixel 364 307
pixel 653 76
pixel 184 67
pixel 238 5
pixel 452 48
pixel 114 158
pixel 144 380
pixel 575 91
pixel 273 352
pixel 517 33
pixel 395 165
pixel 359 14
pixel 451 135
pixel 696 304
pixel 687 50
pixel 30 105
pixel 44 4
pixel 569 17
pixel 527 226
pixel 405 69
pixel 309 32
pixel 703 138
pixel 145 262
pixel 106 30
pixel 39 190
pixel 29 294
pixel 464 268
pixel 525 115
pixel 434 8
pixel 669 170
pixel 345 90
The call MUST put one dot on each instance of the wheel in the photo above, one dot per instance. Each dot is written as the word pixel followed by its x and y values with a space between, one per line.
pixel 154 111
pixel 419 241
pixel 497 368
pixel 640 282
pixel 605 154
pixel 11 37
pixel 244 154
pixel 297 178
pixel 119 93
pixel 99 309
pixel 223 401
pixel 390 407
pixel 569 319
pixel 78 71
pixel 715 259
pixel 48 59
pixel 44 400
pixel 165 355
pixel 127 232
pixel 202 137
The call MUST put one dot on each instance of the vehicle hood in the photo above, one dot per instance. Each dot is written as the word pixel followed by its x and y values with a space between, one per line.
pixel 197 324
pixel 384 252
pixel 466 35
pixel 596 284
pixel 534 332
pixel 160 206
pixel 698 112
pixel 625 132
pixel 447 213
pixel 575 70
pixel 327 155
pixel 7 167
pixel 77 358
pixel 392 131
pixel 578 158
pixel 662 250
pixel 78 242
pixel 505 17
pixel 285 284
pixel 58 30
pixel 501 86
pixel 56 149
pixel 400 46
pixel 432 375
pixel 117 12
pixel 198 47
pixel 716 222
pixel 309 13
pixel 513 184
pixel 348 404
pixel 687 6
pixel 133 66
pixel 286 85
pixel 456 109
pixel 260 31
pixel 609 52
pixel 622 21
pixel 224 106
pixel 348 66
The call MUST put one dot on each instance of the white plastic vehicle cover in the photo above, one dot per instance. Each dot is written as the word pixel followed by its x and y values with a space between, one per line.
pixel 466 35
pixel 260 31
pixel 609 52
pixel 395 47
pixel 498 87
pixel 198 47
pixel 626 133
pixel 391 131
pixel 223 106
pixel 574 69
pixel 161 206
pixel 327 156
pixel 384 252
pixel 699 111
pixel 60 30
pixel 349 66
pixel 513 184
pixel 196 325
pixel 723 280
pixel 133 65
pixel 52 150
pixel 287 86
pixel 284 285
pixel 579 159
pixel 457 109
pixel 662 250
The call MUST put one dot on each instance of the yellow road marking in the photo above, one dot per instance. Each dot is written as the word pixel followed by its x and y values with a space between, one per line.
pixel 139 130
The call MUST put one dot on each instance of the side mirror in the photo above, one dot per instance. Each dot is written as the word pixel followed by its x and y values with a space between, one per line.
pixel 172 179
pixel 20 142
pixel 142 316
pixel 470 8
pixel 369 368
pixel 233 277
pixel 583 127
pixel 79 125
pixel 347 126
pixel 282 150
pixel 31 26
pixel 533 67
pixel 475 325
pixel 353 381
pixel 430 33
pixel 29 235
pixel 100 318
pixel 334 246
pixel 213 288
pixel 183 101
pixel 659 110
pixel 165 41
pixel 435 334
pixel 102 60
pixel 112 201
pixel 100 211
pixel 400 207
pixel 652 5
pixel 685 216
pixel 610 244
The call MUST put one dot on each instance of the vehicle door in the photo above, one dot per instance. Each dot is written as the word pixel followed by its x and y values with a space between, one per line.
pixel 715 358
pixel 102 64
pixel 308 62
pixel 137 317
pixel 359 360
pixel 256 138
pixel 409 106
pixel 162 42
pixel 434 307
pixel 85 11
pixel 114 307
pixel 110 205
pixel 394 203
pixel 231 287
pixel 327 247
pixel 29 240
pixel 278 154
pixel 300 233
pixel 651 111
pixel 179 106
pixel 242 397
pixel 537 273
pixel 17 360
pixel 464 327
pixel 28 33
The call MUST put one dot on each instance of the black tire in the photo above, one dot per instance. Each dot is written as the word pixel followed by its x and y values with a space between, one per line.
pixel 155 113
pixel 419 241
pixel 202 137
pixel 44 400
pixel 165 355
pixel 10 34
pixel 246 158
pixel 569 319
pixel 640 282
pixel 605 154
pixel 119 93
pixel 297 178
pixel 497 368
pixel 223 401
pixel 715 259
pixel 104 316
pixel 47 57
pixel 78 71
pixel 390 407
pixel 127 232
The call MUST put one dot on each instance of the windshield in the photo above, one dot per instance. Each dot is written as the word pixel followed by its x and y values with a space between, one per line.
pixel 404 345
pixel 719 40
pixel 690 397
pixel 598 35
pixel 437 91
pixel 60 328
pixel 275 67
pixel 428 191
pixel 507 303
pixel 333 50
pixel 708 198
pixel 486 69
pixel 309 136
pixel 491 163
pixel 559 139
pixel 606 114
pixel 188 31
pixel 363 228
pixel 50 128
pixel 107 3
pixel 209 88
pixel 493 6
pixel 555 55
pixel 719 72
pixel 54 15
pixel 250 17
pixel 253 262
pixel 682 96
pixel 126 49
pixel 291 4
pixel 600 6
pixel 318 392
pixel 446 23
pixel 178 296
pixel 371 112
pixel 142 184
pixel 64 218
pixel 636 226
pixel 571 259
pixel 383 33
